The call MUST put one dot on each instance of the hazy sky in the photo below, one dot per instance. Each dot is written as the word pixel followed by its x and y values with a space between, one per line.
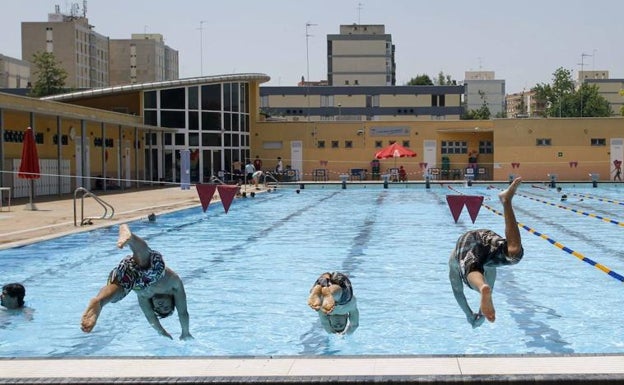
pixel 524 42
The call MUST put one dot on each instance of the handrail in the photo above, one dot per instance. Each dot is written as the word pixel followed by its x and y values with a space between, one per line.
pixel 269 175
pixel 214 178
pixel 87 193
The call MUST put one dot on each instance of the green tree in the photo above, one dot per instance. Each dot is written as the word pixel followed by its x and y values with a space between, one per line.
pixel 483 113
pixel 50 75
pixel 562 99
pixel 622 108
pixel 444 80
pixel 420 80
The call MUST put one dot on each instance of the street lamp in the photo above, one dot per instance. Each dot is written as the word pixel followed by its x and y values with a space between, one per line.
pixel 339 111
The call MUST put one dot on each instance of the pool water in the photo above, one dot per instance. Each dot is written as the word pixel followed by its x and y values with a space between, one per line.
pixel 247 276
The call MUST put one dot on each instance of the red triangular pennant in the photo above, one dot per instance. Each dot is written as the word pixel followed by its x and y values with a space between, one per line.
pixel 473 204
pixel 456 204
pixel 205 192
pixel 227 194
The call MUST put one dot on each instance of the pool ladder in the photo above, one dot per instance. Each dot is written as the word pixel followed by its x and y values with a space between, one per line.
pixel 109 211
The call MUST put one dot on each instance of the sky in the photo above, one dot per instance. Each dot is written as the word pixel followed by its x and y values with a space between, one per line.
pixel 523 42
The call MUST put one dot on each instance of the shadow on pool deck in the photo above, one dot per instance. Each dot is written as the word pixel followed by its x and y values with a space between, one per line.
pixel 55 217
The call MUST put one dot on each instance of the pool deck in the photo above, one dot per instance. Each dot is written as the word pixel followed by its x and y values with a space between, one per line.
pixel 55 217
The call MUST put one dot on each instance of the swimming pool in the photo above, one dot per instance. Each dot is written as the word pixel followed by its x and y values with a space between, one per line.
pixel 247 275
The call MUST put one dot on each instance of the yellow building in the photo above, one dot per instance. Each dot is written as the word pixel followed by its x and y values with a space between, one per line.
pixel 85 141
pixel 77 146
pixel 536 149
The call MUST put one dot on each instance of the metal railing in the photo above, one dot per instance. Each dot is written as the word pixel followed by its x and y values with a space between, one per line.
pixel 268 175
pixel 215 179
pixel 109 210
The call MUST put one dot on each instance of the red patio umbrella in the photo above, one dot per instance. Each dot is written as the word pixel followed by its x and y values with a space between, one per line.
pixel 395 151
pixel 29 167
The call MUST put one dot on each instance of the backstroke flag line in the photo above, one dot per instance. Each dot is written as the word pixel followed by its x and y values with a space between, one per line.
pixel 226 193
pixel 457 202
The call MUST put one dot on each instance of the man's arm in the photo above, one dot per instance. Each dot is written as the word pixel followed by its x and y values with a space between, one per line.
pixel 152 319
pixel 180 303
pixel 475 319
pixel 354 316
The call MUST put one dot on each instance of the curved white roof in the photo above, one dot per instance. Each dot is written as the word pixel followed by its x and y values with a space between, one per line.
pixel 259 77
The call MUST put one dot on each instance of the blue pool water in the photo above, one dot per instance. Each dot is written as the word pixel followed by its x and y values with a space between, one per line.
pixel 247 275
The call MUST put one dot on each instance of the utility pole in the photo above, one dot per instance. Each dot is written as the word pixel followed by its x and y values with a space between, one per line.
pixel 359 10
pixel 201 47
pixel 581 80
pixel 307 80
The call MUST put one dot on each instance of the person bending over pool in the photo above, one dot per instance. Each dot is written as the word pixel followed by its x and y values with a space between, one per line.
pixel 332 298
pixel 476 256
pixel 158 288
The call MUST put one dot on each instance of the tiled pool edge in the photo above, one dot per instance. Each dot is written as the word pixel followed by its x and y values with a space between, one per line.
pixel 537 369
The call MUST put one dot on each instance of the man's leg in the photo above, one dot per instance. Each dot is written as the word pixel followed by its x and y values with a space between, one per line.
pixel 512 232
pixel 477 282
pixel 137 245
pixel 109 293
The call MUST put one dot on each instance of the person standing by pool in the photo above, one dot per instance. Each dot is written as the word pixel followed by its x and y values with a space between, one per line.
pixel 332 298
pixel 158 288
pixel 249 170
pixel 477 255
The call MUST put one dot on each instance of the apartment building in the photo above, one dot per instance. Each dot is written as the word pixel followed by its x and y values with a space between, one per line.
pixel 81 51
pixel 483 88
pixel 353 103
pixel 14 73
pixel 360 55
pixel 142 58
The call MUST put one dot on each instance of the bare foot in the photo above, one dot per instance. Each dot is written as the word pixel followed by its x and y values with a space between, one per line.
pixel 314 301
pixel 487 306
pixel 506 195
pixel 124 236
pixel 329 303
pixel 90 316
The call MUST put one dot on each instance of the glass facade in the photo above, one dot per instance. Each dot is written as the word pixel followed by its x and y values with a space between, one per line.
pixel 211 120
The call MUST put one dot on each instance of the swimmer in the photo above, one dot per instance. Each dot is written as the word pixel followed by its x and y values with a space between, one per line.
pixel 13 296
pixel 332 298
pixel 476 256
pixel 143 272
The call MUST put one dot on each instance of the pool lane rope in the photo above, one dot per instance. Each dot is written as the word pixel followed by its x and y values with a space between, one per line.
pixel 584 213
pixel 562 247
pixel 587 196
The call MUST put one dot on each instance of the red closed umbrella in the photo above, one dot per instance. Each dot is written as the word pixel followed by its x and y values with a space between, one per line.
pixel 395 151
pixel 29 167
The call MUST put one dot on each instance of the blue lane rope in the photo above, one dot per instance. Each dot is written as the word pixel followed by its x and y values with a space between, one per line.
pixel 578 255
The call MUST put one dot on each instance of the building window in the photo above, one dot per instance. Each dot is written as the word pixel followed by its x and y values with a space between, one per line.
pixel 320 144
pixel 327 100
pixel 438 100
pixel 543 142
pixel 598 142
pixel 454 147
pixel 486 147
pixel 335 144
pixel 378 144
pixel 406 143
pixel 348 144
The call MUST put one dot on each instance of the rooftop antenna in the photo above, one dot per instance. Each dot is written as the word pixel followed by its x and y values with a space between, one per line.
pixel 360 6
